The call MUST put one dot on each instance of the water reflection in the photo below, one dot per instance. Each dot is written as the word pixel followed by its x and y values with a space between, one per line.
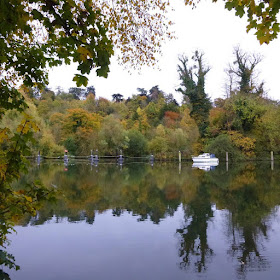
pixel 247 246
pixel 205 166
pixel 194 249
pixel 249 194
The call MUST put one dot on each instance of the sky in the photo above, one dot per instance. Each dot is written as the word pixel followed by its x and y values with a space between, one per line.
pixel 209 28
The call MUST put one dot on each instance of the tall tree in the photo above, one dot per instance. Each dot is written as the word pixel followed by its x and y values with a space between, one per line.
pixel 243 73
pixel 117 97
pixel 142 91
pixel 90 90
pixel 155 93
pixel 77 93
pixel 193 87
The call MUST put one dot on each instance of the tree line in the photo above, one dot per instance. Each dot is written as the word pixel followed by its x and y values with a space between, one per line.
pixel 245 123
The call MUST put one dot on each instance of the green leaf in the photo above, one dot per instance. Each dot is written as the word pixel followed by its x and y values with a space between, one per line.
pixel 239 11
pixel 229 6
pixel 80 80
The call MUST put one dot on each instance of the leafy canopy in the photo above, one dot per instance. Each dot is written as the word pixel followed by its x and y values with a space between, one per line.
pixel 35 34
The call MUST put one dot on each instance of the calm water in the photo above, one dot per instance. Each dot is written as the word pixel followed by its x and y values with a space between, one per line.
pixel 136 222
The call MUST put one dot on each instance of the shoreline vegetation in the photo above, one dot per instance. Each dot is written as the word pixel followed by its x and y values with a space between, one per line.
pixel 245 124
pixel 144 158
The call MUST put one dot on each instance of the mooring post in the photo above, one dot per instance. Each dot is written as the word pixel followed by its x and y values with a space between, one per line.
pixel 65 156
pixel 226 161
pixel 120 159
pixel 38 158
pixel 180 157
pixel 96 156
pixel 272 160
pixel 152 158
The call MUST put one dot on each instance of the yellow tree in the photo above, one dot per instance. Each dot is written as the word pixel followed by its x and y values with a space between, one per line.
pixel 142 122
pixel 79 130
pixel 245 144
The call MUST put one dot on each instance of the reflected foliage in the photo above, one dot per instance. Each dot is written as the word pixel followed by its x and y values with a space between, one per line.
pixel 251 198
pixel 141 190
pixel 194 249
pixel 248 194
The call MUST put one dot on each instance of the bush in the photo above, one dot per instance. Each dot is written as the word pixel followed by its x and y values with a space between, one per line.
pixel 222 144
pixel 137 145
pixel 48 147
pixel 70 145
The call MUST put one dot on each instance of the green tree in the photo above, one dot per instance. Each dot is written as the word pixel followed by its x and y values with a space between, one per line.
pixel 137 145
pixel 70 145
pixel 90 103
pixel 178 141
pixel 77 93
pixel 243 73
pixel 155 93
pixel 112 136
pixel 267 130
pixel 193 87
pixel 90 90
pixel 159 145
pixel 247 110
pixel 117 97
pixel 222 144
pixel 104 107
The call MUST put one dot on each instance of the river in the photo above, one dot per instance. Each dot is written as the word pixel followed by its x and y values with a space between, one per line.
pixel 163 221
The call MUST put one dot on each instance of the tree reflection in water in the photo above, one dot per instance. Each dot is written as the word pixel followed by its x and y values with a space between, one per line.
pixel 251 197
pixel 194 249
pixel 247 246
pixel 248 194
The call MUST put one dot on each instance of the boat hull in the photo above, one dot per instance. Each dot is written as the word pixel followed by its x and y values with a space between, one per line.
pixel 205 160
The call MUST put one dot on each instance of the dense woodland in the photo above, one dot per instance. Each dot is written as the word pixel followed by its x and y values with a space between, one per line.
pixel 245 123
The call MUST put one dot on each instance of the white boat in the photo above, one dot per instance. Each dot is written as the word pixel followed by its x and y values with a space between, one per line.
pixel 206 157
